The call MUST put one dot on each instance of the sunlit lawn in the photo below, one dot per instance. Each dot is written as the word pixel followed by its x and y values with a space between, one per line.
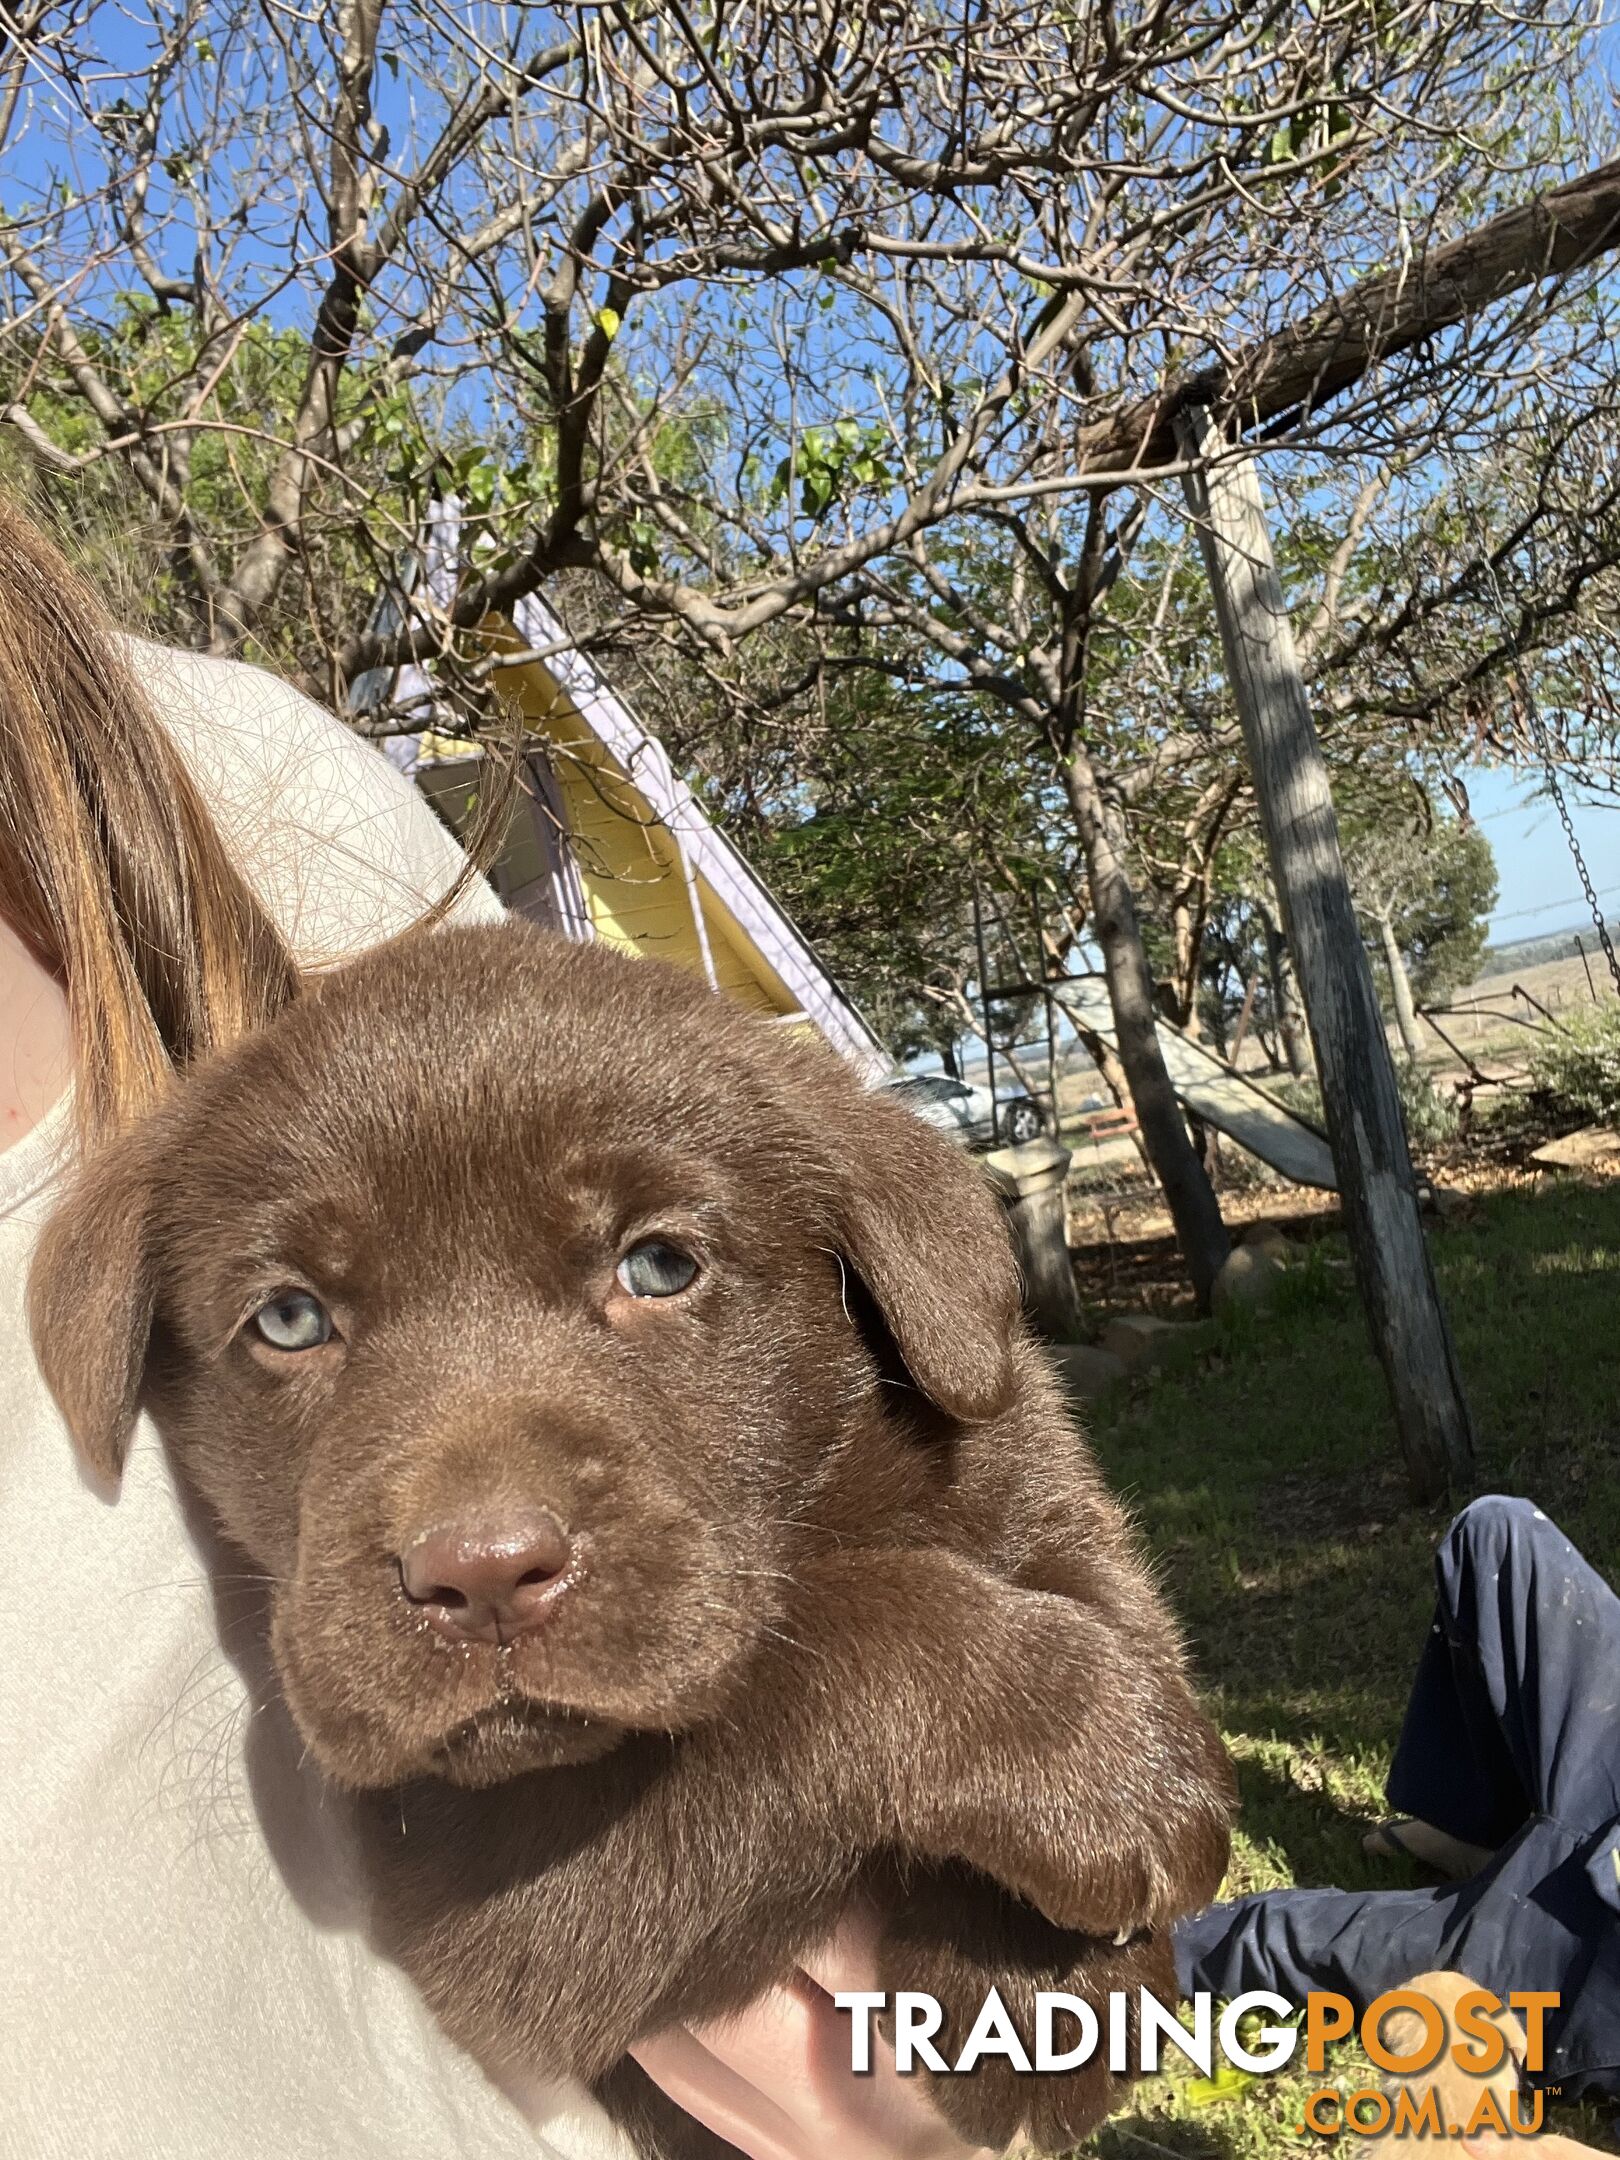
pixel 1265 1477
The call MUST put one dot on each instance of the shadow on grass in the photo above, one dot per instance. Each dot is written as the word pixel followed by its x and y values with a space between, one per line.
pixel 1125 2140
pixel 1267 1481
pixel 1266 1478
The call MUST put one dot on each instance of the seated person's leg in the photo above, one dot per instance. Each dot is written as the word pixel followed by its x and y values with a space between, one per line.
pixel 1513 1708
pixel 1354 1942
pixel 1513 1714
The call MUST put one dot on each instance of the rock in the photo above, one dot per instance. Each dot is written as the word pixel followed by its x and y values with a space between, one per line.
pixel 1448 1203
pixel 1579 1150
pixel 1140 1339
pixel 1249 1278
pixel 1265 1237
pixel 1086 1369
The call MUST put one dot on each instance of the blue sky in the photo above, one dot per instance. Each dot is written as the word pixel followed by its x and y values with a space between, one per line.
pixel 1540 886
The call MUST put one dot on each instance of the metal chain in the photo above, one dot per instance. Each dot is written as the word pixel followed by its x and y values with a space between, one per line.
pixel 1555 789
pixel 1543 742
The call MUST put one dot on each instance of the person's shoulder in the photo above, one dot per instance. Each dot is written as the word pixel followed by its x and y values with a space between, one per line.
pixel 338 844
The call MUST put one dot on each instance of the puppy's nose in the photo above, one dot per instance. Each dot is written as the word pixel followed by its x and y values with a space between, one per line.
pixel 488 1581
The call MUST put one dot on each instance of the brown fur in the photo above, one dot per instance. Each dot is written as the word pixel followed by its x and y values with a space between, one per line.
pixel 856 1614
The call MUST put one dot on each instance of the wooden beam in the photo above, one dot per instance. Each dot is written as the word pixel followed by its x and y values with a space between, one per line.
pixel 1359 1092
pixel 1307 363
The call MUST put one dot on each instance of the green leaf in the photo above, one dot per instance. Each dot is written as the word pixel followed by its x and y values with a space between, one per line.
pixel 1224 2085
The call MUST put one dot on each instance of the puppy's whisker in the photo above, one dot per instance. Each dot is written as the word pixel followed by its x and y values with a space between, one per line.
pixel 838 1261
pixel 201 1582
pixel 211 1666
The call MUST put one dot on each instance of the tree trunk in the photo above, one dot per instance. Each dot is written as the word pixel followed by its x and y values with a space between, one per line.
pixel 1400 989
pixel 1188 1194
pixel 1206 1146
pixel 1104 1056
pixel 1393 1266
pixel 1187 928
pixel 1287 1016
pixel 1246 1012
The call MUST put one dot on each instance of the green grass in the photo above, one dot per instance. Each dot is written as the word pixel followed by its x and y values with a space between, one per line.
pixel 1264 1474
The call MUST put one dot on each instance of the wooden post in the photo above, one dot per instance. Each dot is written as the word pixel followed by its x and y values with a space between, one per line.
pixel 1359 1092
pixel 1031 1181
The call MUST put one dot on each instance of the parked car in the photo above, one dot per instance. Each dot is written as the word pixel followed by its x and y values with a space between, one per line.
pixel 965 1111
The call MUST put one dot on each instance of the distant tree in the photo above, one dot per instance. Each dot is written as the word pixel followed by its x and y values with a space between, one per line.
pixel 877 803
pixel 887 808
pixel 1426 894
pixel 1442 931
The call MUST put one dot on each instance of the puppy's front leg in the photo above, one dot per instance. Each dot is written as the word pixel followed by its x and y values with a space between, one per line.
pixel 955 1717
pixel 556 1920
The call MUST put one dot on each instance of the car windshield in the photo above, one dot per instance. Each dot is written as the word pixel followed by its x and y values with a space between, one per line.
pixel 930 1087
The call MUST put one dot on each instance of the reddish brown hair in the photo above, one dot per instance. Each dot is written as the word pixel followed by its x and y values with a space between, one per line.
pixel 110 867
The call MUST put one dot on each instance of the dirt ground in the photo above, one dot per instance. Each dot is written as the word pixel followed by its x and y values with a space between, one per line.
pixel 1125 1255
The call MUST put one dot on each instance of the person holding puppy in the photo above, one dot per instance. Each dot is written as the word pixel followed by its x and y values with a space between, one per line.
pixel 189 1971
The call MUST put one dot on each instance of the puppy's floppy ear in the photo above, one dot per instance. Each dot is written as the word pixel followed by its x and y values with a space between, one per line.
pixel 90 1297
pixel 918 1222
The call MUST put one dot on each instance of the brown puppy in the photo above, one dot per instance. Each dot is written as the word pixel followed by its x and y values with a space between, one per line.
pixel 672 1531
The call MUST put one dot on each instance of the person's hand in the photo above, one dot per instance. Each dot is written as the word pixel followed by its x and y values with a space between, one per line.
pixel 776 2080
pixel 1548 2145
pixel 1457 2090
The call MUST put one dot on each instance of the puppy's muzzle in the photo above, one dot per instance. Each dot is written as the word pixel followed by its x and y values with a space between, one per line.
pixel 489 1581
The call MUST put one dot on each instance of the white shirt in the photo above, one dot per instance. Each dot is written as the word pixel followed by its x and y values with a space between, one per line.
pixel 184 1971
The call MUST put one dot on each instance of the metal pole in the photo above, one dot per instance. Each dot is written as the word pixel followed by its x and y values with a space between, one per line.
pixel 984 1007
pixel 1046 998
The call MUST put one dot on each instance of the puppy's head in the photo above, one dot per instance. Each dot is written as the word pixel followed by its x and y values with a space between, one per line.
pixel 522 1311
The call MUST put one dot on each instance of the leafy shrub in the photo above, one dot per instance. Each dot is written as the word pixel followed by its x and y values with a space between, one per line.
pixel 1430 1116
pixel 1578 1065
pixel 1303 1097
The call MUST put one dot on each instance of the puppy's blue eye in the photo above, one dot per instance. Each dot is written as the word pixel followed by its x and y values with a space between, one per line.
pixel 655 1268
pixel 293 1320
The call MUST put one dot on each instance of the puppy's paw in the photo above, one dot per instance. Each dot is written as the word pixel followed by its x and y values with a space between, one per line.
pixel 955 1936
pixel 1143 1874
pixel 1125 1893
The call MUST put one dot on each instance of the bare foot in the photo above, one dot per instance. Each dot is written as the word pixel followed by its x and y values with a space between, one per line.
pixel 1410 1838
